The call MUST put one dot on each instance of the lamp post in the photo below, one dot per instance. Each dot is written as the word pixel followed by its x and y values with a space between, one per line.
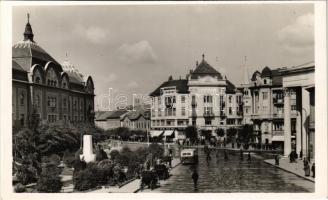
pixel 147 135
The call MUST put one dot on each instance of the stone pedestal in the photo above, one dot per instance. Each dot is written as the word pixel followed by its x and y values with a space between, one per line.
pixel 88 154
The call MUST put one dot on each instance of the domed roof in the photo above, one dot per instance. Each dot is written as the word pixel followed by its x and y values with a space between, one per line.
pixel 73 73
pixel 266 72
pixel 26 53
pixel 206 69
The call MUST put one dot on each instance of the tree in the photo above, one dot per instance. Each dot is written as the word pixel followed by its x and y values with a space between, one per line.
pixel 231 135
pixel 191 133
pixel 220 132
pixel 49 180
pixel 246 134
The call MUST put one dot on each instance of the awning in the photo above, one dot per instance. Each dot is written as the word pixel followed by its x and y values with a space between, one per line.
pixel 168 132
pixel 278 138
pixel 155 133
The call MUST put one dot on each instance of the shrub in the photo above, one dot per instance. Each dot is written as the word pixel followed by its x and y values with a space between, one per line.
pixel 19 188
pixel 26 173
pixel 87 178
pixel 49 180
pixel 114 154
pixel 68 158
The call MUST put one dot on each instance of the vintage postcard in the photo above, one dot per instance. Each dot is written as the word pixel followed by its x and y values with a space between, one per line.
pixel 223 99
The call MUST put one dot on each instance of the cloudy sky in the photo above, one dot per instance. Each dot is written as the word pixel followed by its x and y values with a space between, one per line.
pixel 133 49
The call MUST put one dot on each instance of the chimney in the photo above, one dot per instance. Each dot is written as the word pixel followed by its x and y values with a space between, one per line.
pixel 170 78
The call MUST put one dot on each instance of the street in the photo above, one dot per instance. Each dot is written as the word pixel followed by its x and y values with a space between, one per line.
pixel 233 175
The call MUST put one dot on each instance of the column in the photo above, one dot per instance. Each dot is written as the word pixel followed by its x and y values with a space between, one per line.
pixel 287 121
pixel 305 114
pixel 298 132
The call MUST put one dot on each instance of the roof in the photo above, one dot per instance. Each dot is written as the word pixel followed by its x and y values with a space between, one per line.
pixel 103 115
pixel 276 77
pixel 254 75
pixel 27 53
pixel 266 72
pixel 181 86
pixel 230 88
pixel 205 69
pixel 137 112
pixel 17 67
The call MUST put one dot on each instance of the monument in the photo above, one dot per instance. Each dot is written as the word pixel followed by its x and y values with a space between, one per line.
pixel 88 154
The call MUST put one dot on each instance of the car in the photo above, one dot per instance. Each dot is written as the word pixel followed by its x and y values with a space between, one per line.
pixel 189 156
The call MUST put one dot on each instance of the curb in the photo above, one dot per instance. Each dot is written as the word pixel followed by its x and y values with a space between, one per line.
pixel 289 171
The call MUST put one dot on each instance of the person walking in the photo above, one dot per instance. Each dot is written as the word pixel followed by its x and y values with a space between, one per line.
pixel 306 167
pixel 241 154
pixel 249 156
pixel 194 177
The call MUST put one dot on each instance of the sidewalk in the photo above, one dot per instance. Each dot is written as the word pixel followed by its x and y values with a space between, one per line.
pixel 294 168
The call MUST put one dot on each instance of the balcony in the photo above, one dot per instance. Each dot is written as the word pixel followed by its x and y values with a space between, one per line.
pixel 208 115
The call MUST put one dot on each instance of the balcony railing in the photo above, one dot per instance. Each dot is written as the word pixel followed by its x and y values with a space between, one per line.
pixel 208 114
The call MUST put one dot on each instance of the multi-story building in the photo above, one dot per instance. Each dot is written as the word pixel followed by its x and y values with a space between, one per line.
pixel 107 120
pixel 280 104
pixel 204 99
pixel 44 89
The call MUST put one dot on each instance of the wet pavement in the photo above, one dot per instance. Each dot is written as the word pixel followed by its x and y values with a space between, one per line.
pixel 234 175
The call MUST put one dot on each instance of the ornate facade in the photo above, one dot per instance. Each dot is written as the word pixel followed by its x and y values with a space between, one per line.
pixel 45 89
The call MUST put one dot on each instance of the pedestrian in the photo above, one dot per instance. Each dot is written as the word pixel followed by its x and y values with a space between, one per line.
pixel 313 170
pixel 291 157
pixel 194 177
pixel 276 158
pixel 301 154
pixel 249 156
pixel 306 167
pixel 226 155
pixel 241 154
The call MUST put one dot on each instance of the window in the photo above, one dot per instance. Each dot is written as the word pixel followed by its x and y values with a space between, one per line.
pixel 65 103
pixel 208 122
pixel 230 121
pixel 174 111
pixel 153 113
pixel 52 77
pixel 52 102
pixel 246 110
pixel 230 98
pixel 193 122
pixel 230 110
pixel 64 117
pixel 265 95
pixel 37 80
pixel 22 119
pixel 52 118
pixel 293 108
pixel 183 99
pixel 183 111
pixel 265 81
pixel 37 100
pixel 208 110
pixel 159 112
pixel 208 99
pixel 22 99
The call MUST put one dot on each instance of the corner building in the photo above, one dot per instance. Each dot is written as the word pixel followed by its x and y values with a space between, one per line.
pixel 45 89
pixel 204 99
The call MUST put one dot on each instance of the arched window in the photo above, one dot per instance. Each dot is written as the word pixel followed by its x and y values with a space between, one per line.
pixel 22 99
pixel 37 76
pixel 52 78
pixel 37 100
pixel 265 81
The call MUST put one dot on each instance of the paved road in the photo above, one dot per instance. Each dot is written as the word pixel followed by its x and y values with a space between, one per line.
pixel 234 175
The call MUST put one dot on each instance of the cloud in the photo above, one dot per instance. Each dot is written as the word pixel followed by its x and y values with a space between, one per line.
pixel 140 52
pixel 133 84
pixel 94 34
pixel 298 37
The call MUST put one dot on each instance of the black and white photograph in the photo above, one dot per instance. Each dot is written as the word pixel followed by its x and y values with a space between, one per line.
pixel 165 98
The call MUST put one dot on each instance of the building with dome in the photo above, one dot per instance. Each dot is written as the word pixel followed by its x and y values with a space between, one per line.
pixel 46 90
